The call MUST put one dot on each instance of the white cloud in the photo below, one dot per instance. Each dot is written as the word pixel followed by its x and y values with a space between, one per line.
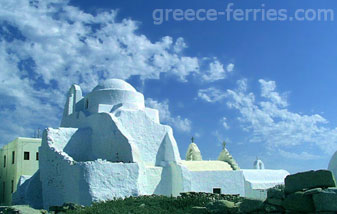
pixel 224 123
pixel 268 91
pixel 181 124
pixel 179 45
pixel 230 67
pixel 271 122
pixel 45 46
pixel 211 94
pixel 217 71
pixel 298 156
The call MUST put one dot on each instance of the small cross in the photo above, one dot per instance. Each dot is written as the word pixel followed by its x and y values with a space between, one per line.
pixel 224 144
pixel 192 139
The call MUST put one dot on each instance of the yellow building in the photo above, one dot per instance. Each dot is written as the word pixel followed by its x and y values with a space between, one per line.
pixel 17 158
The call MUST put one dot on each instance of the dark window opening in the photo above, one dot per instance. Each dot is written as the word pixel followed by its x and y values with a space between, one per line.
pixel 86 104
pixel 13 157
pixel 37 156
pixel 26 155
pixel 4 161
pixel 217 190
pixel 12 188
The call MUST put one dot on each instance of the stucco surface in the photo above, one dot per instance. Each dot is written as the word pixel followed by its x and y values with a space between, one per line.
pixel 230 182
pixel 110 145
pixel 206 165
pixel 263 179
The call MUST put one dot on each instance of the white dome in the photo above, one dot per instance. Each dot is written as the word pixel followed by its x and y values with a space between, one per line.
pixel 114 84
pixel 258 164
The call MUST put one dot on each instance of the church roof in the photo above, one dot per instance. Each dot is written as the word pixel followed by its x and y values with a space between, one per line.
pixel 114 84
pixel 206 165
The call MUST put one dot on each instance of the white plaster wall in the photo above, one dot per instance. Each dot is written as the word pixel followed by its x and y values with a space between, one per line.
pixel 153 114
pixel 109 138
pixel 108 180
pixel 258 181
pixel 149 136
pixel 29 192
pixel 264 179
pixel 230 182
pixel 149 179
pixel 129 99
pixel 64 180
pixel 254 193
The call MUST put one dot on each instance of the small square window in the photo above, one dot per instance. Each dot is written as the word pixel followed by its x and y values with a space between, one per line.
pixel 26 155
pixel 217 190
pixel 37 156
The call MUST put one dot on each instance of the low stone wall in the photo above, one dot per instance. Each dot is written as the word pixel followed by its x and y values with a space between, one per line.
pixel 305 192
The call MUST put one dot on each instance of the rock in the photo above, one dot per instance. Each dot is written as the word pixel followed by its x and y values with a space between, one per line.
pixel 20 209
pixel 313 191
pixel 275 193
pixel 308 180
pixel 222 206
pixel 142 205
pixel 272 208
pixel 199 210
pixel 250 205
pixel 275 201
pixel 326 212
pixel 65 207
pixel 325 201
pixel 299 202
pixel 331 189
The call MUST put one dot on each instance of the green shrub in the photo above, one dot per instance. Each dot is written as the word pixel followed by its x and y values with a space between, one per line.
pixel 154 204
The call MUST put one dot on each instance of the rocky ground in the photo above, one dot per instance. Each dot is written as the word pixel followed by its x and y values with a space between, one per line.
pixel 305 192
pixel 20 209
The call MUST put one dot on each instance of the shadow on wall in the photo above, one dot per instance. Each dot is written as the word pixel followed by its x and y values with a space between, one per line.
pixel 79 145
pixel 171 182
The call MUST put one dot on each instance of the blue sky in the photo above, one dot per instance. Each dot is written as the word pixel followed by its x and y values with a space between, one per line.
pixel 266 87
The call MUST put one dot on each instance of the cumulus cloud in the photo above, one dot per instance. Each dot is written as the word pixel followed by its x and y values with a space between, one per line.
pixel 45 46
pixel 298 156
pixel 211 94
pixel 230 67
pixel 268 119
pixel 271 122
pixel 181 124
pixel 179 45
pixel 217 71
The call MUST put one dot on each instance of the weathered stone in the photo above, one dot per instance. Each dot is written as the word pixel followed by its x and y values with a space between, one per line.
pixel 275 201
pixel 299 202
pixel 325 201
pixel 275 193
pixel 325 213
pixel 272 208
pixel 332 189
pixel 199 210
pixel 222 206
pixel 308 180
pixel 250 205
pixel 313 191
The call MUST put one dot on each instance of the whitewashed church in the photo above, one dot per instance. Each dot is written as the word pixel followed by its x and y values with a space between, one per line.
pixel 110 145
